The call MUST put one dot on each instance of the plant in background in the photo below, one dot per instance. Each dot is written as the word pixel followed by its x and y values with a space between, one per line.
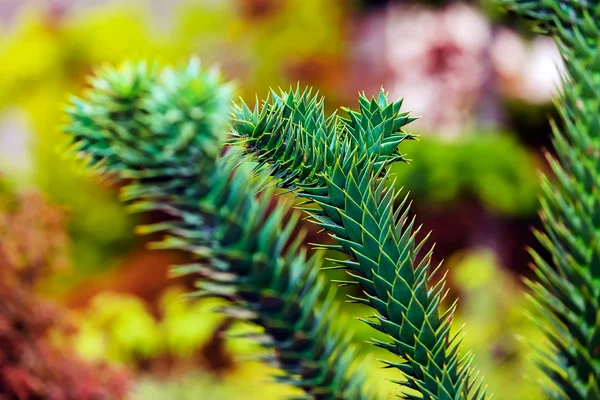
pixel 491 168
pixel 492 300
pixel 33 239
pixel 439 61
pixel 121 328
pixel 32 365
pixel 566 293
pixel 176 350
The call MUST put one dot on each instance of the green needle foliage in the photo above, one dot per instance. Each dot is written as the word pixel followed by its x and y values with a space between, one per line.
pixel 162 130
pixel 567 291
pixel 573 21
pixel 339 163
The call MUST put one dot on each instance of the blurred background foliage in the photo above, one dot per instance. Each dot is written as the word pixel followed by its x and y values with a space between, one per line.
pixel 492 169
pixel 481 87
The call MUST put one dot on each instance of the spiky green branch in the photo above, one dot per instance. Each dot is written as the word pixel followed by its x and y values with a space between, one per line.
pixel 567 290
pixel 340 164
pixel 163 130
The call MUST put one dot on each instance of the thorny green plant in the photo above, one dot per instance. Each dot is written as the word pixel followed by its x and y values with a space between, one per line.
pixel 164 130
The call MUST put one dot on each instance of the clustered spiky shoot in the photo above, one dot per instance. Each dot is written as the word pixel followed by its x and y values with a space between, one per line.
pixel 155 131
pixel 339 163
pixel 566 293
pixel 163 129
